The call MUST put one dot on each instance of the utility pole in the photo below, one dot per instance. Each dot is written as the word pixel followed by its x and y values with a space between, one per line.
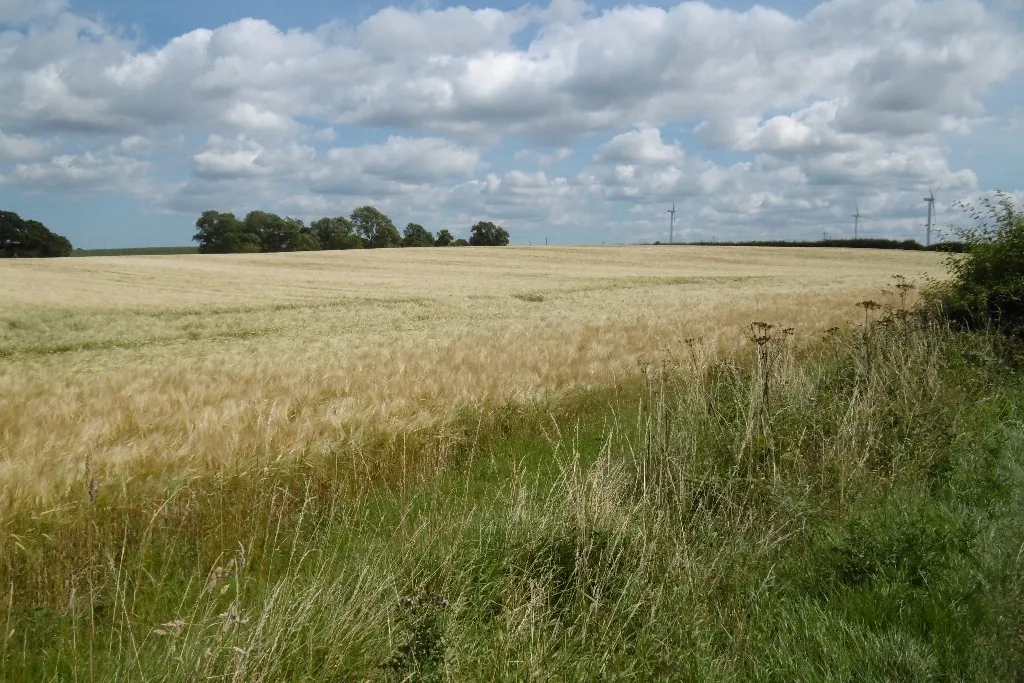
pixel 856 219
pixel 672 221
pixel 824 236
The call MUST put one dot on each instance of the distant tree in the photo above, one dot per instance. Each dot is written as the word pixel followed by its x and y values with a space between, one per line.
pixel 416 235
pixel 444 239
pixel 21 238
pixel 11 228
pixel 275 233
pixel 375 228
pixel 38 240
pixel 460 243
pixel 336 233
pixel 307 241
pixel 222 233
pixel 487 234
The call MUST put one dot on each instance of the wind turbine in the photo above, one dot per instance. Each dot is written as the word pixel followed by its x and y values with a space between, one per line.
pixel 672 221
pixel 930 199
pixel 856 219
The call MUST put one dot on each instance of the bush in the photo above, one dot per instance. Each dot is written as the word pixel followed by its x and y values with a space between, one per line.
pixel 987 287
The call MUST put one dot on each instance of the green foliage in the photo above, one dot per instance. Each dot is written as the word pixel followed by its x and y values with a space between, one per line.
pixel 487 234
pixel 420 624
pixel 336 233
pixel 375 228
pixel 368 227
pixel 274 232
pixel 29 239
pixel 306 241
pixel 892 542
pixel 415 235
pixel 444 239
pixel 461 242
pixel 987 285
pixel 222 233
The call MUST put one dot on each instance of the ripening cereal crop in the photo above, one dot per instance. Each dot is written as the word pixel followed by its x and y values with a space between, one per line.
pixel 151 367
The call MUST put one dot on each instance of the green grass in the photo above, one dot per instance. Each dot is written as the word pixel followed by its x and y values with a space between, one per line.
pixel 851 511
pixel 136 251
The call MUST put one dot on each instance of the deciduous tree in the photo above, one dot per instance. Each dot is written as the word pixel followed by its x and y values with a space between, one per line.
pixel 29 238
pixel 416 235
pixel 222 233
pixel 336 233
pixel 376 228
pixel 444 239
pixel 487 234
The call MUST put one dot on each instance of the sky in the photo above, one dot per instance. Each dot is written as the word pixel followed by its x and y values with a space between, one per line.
pixel 562 120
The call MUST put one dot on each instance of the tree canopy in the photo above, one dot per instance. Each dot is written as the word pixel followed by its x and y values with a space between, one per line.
pixel 222 233
pixel 487 234
pixel 366 228
pixel 27 238
pixel 376 228
pixel 336 233
pixel 416 235
pixel 444 239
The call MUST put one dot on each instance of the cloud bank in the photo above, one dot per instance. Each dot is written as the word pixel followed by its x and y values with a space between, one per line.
pixel 759 123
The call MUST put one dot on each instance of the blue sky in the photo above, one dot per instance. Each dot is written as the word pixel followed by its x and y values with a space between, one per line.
pixel 120 121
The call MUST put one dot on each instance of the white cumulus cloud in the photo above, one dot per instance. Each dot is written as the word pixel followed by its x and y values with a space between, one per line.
pixel 737 114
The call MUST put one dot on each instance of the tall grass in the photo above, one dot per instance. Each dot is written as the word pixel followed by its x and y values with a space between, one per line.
pixel 847 510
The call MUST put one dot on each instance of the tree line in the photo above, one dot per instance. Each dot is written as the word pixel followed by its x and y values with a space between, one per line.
pixel 859 243
pixel 20 238
pixel 366 228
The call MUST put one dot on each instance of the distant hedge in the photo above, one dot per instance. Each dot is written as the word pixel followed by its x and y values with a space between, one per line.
pixel 871 243
pixel 136 251
pixel 20 238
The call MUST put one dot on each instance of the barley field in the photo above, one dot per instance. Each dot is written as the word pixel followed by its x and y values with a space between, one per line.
pixel 141 371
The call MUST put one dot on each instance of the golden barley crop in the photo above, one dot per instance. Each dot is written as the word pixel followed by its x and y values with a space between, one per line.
pixel 149 367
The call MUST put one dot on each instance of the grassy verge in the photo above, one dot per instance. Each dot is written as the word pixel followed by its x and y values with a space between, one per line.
pixel 847 513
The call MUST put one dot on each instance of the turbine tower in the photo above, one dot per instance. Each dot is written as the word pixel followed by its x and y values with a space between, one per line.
pixel 856 219
pixel 672 221
pixel 930 199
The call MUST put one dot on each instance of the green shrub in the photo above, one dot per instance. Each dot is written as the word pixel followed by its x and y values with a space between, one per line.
pixel 987 289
